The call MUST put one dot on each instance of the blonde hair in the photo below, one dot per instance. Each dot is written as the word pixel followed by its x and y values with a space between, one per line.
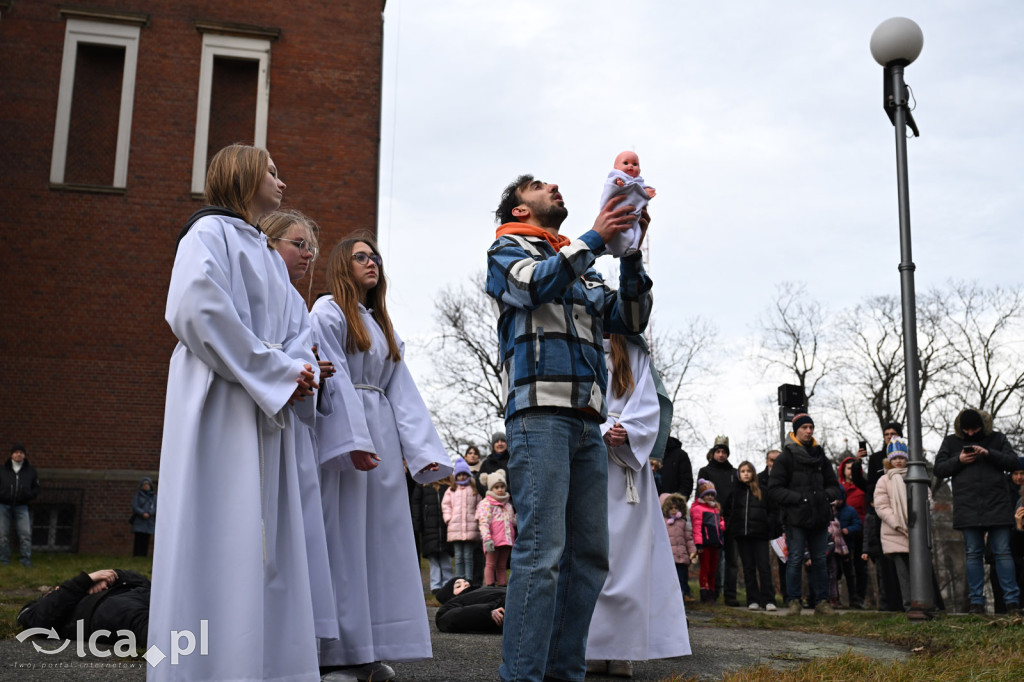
pixel 755 487
pixel 341 283
pixel 275 225
pixel 622 373
pixel 234 177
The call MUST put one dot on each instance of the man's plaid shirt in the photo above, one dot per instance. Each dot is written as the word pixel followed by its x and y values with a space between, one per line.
pixel 552 311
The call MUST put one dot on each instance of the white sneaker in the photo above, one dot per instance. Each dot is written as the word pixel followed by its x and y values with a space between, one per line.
pixel 754 607
pixel 770 607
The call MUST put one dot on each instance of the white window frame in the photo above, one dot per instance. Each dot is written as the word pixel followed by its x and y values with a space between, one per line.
pixel 219 45
pixel 95 33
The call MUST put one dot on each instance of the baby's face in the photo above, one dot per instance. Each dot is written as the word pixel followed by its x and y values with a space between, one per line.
pixel 628 163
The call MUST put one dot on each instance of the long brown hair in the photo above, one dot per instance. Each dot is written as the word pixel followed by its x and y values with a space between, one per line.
pixel 234 177
pixel 622 373
pixel 755 487
pixel 275 225
pixel 346 294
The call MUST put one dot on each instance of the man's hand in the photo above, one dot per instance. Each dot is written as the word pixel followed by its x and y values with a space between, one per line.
pixel 102 580
pixel 498 615
pixel 433 466
pixel 968 456
pixel 613 218
pixel 645 220
pixel 862 453
pixel 364 461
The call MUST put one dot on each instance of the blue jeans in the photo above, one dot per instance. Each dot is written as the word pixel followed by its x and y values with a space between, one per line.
pixel 816 542
pixel 558 471
pixel 440 570
pixel 974 543
pixel 23 525
pixel 464 558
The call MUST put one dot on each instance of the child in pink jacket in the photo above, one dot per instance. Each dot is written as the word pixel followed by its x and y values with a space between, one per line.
pixel 680 536
pixel 708 533
pixel 459 511
pixel 497 527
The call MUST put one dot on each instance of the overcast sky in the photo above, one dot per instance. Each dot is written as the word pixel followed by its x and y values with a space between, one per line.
pixel 760 123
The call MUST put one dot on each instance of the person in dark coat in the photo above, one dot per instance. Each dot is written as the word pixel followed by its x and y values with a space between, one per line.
pixel 722 473
pixel 110 599
pixel 775 527
pixel 749 518
pixel 676 470
pixel 428 524
pixel 804 485
pixel 470 608
pixel 143 516
pixel 976 458
pixel 19 485
pixel 497 460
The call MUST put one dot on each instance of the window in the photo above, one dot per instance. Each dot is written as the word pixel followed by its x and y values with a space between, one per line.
pixel 94 105
pixel 234 95
pixel 55 519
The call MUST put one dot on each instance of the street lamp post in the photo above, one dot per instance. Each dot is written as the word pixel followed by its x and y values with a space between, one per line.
pixel 896 43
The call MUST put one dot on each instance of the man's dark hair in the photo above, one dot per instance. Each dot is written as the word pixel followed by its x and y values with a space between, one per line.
pixel 510 199
pixel 895 426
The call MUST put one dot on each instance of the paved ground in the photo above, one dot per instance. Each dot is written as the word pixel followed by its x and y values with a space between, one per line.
pixel 471 658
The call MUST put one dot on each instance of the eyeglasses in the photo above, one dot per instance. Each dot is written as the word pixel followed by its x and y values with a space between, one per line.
pixel 302 244
pixel 361 258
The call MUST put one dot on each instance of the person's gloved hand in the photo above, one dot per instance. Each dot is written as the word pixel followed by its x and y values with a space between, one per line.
pixel 489 546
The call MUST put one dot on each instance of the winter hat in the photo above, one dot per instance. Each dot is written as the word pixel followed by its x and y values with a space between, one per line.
pixel 895 426
pixel 18 447
pixel 447 591
pixel 462 468
pixel 801 419
pixel 898 448
pixel 970 419
pixel 492 479
pixel 1020 464
pixel 498 435
pixel 721 443
pixel 704 487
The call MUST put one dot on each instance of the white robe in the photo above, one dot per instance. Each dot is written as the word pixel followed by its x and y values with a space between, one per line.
pixel 377 583
pixel 640 614
pixel 230 550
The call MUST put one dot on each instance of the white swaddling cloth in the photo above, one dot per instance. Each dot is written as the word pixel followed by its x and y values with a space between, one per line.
pixel 627 241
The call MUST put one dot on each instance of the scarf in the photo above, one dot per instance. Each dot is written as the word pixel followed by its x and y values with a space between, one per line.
pixel 556 241
pixel 503 498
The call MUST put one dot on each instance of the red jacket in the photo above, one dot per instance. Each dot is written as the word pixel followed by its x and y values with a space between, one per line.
pixel 854 496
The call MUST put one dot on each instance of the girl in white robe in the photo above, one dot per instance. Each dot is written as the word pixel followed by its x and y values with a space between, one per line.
pixel 294 236
pixel 229 569
pixel 379 419
pixel 640 613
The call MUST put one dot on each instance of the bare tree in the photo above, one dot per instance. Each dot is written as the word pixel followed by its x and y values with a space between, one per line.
pixel 685 359
pixel 983 329
pixel 464 391
pixel 795 336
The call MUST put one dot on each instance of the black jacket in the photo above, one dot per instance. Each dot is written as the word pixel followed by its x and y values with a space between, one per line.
pixel 775 526
pixel 470 611
pixel 676 470
pixel 18 488
pixel 723 475
pixel 749 515
pixel 803 485
pixel 493 463
pixel 123 606
pixel 428 521
pixel 980 494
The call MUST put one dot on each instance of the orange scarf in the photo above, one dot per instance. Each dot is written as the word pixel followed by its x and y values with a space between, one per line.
pixel 556 241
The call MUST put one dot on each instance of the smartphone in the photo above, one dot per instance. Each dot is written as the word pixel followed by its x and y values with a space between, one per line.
pixel 968 448
pixel 862 445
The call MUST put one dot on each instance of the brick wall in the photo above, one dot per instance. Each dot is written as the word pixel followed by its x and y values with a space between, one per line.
pixel 83 345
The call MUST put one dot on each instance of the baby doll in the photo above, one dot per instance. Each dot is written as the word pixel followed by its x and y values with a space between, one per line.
pixel 625 180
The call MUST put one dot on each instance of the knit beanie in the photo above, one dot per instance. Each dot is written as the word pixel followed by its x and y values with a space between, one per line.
pixel 898 447
pixel 895 426
pixel 462 468
pixel 1020 464
pixel 801 419
pixel 970 419
pixel 704 487
pixel 498 435
pixel 494 478
pixel 18 447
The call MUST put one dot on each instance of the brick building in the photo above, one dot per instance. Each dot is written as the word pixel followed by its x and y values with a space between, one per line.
pixel 108 114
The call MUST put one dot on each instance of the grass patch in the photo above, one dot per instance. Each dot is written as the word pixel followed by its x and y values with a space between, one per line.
pixel 20 585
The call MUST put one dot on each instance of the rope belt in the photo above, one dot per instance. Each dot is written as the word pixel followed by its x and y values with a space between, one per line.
pixel 368 387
